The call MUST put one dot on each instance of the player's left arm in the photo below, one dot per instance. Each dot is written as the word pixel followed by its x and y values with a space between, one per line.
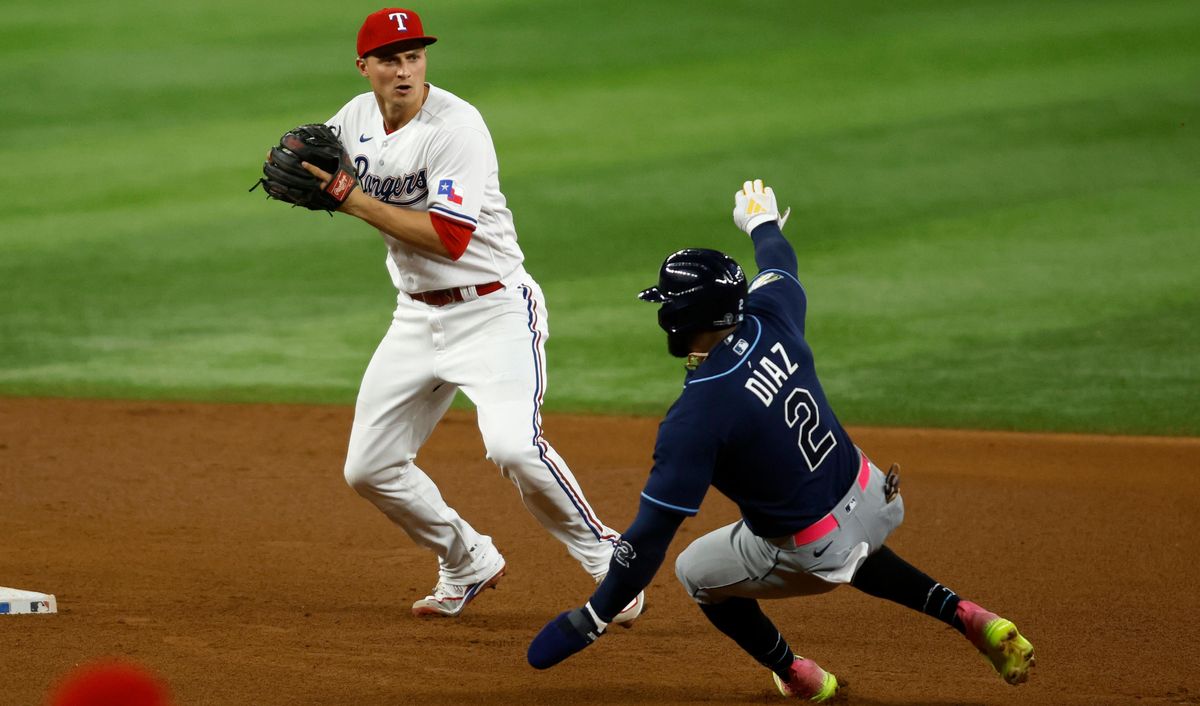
pixel 684 458
pixel 638 557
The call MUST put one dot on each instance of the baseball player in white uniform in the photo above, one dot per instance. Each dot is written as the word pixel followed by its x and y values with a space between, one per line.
pixel 468 316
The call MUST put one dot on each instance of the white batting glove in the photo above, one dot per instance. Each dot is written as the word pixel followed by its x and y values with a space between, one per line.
pixel 754 205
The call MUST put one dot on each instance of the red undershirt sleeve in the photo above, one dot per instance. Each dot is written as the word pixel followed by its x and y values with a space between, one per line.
pixel 453 234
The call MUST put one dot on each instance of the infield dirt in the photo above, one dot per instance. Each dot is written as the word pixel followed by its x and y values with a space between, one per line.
pixel 219 546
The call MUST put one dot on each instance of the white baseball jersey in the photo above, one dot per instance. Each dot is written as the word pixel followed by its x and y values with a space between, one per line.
pixel 442 161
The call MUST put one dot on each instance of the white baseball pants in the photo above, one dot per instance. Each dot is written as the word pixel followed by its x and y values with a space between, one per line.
pixel 493 349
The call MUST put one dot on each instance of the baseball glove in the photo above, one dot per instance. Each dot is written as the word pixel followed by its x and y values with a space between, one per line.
pixel 285 178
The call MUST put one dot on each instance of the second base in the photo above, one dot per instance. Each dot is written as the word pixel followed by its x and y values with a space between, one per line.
pixel 17 602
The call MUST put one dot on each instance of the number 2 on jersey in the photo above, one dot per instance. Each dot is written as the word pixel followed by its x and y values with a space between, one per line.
pixel 801 409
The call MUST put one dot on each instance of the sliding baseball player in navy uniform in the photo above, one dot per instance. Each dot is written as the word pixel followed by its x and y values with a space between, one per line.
pixel 753 422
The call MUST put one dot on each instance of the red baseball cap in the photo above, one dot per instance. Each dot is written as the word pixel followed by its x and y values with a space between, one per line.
pixel 388 26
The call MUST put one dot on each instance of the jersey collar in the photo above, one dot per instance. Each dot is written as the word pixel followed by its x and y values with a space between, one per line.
pixel 740 344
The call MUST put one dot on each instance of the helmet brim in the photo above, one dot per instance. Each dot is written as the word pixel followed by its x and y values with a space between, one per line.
pixel 654 295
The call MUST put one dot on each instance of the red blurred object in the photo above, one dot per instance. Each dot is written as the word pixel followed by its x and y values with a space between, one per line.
pixel 110 683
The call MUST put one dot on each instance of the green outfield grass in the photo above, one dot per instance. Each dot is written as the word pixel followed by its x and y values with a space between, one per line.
pixel 996 204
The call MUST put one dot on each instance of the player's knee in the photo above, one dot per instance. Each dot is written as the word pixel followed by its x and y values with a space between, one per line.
pixel 359 475
pixel 683 566
pixel 371 465
pixel 509 453
pixel 681 571
pixel 366 476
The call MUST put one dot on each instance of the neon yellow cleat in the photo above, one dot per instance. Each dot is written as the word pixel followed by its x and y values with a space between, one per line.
pixel 806 680
pixel 999 641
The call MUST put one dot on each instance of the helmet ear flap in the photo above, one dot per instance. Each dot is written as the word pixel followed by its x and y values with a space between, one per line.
pixel 676 316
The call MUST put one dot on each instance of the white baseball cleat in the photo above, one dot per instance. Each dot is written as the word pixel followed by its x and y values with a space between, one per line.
pixel 630 612
pixel 449 599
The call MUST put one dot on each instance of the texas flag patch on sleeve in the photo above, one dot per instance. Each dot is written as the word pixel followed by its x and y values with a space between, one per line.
pixel 446 188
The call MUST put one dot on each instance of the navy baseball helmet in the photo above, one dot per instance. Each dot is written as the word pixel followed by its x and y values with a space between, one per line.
pixel 700 290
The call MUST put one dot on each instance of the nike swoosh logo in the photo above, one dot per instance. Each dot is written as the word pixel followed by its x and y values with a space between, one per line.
pixel 364 138
pixel 821 551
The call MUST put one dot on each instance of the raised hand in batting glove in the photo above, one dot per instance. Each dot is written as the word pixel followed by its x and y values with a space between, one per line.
pixel 562 637
pixel 309 168
pixel 754 205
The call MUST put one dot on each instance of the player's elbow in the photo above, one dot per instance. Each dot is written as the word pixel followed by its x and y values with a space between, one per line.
pixel 454 236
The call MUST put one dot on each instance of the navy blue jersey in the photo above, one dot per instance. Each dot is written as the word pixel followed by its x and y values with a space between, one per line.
pixel 753 421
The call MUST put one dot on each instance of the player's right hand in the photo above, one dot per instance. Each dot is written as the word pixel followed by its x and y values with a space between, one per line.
pixel 754 205
pixel 562 637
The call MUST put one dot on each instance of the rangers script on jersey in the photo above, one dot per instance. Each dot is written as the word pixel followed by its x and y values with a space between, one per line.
pixel 443 161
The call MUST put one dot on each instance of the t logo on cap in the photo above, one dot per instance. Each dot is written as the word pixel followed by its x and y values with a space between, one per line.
pixel 391 25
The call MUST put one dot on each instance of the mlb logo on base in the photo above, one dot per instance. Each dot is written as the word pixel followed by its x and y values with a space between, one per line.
pixel 446 188
pixel 17 602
